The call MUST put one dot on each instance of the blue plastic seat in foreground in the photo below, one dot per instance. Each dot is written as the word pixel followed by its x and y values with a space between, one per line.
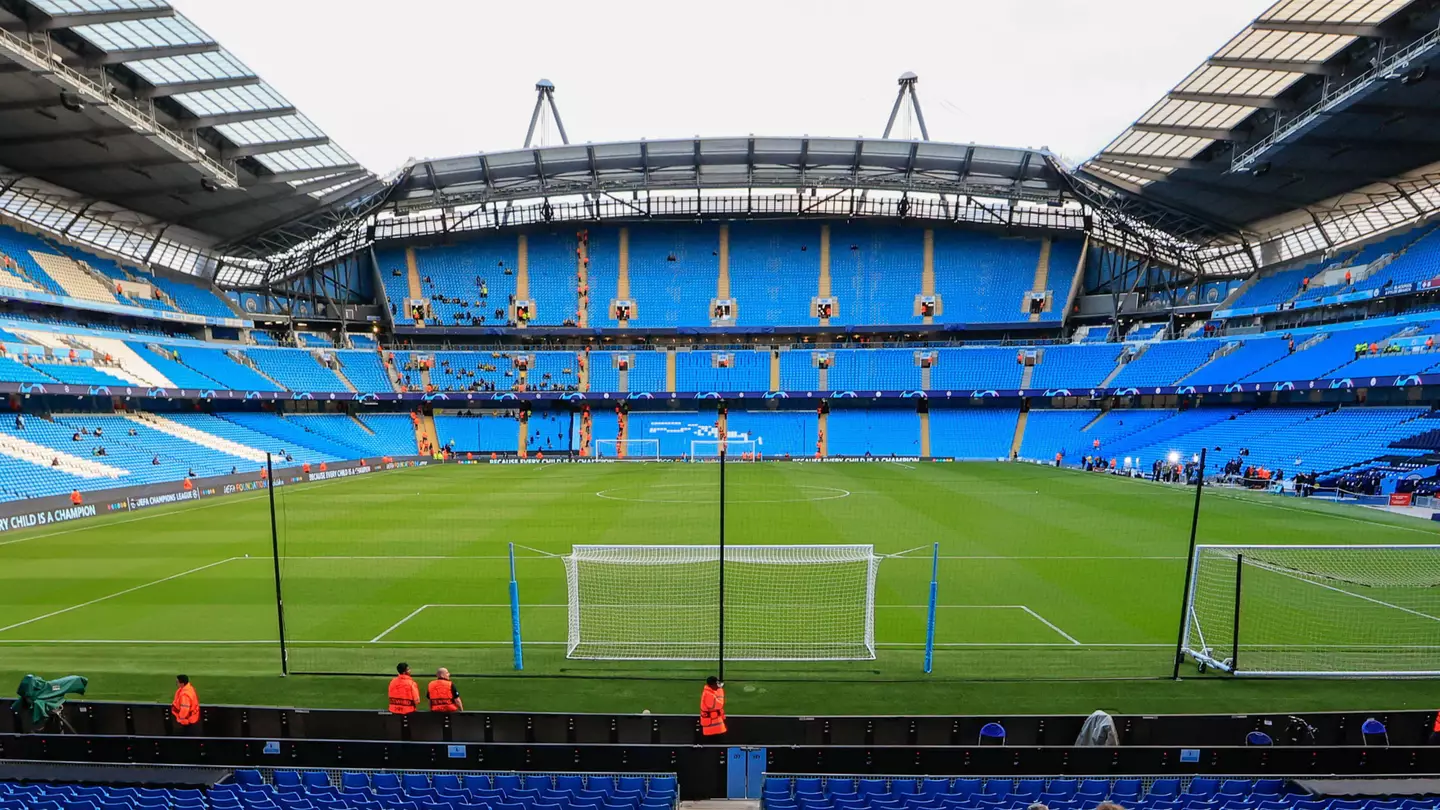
pixel 316 779
pixel 1267 787
pixel 504 781
pixel 249 777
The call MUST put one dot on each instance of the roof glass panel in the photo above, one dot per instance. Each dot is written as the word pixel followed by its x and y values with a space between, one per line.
pixel 270 130
pixel 304 159
pixel 1365 12
pixel 1283 46
pixel 198 67
pixel 232 100
pixel 1238 81
pixel 1195 114
pixel 59 8
pixel 130 35
pixel 1158 145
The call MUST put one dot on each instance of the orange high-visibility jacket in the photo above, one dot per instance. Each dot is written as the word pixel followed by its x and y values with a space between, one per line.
pixel 404 694
pixel 186 705
pixel 442 696
pixel 712 711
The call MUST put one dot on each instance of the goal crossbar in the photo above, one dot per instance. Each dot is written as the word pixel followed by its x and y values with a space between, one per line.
pixel 1320 610
pixel 628 449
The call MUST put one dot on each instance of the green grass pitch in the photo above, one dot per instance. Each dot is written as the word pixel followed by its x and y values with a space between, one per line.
pixel 1059 591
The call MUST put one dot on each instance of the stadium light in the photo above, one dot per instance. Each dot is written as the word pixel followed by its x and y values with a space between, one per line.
pixel 1174 456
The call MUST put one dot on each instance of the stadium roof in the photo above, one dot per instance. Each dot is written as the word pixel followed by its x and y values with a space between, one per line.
pixel 1312 100
pixel 129 103
pixel 741 162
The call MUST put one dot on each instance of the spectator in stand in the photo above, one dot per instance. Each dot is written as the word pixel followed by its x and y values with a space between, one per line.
pixel 19 421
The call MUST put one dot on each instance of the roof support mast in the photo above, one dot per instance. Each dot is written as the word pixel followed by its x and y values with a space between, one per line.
pixel 545 95
pixel 907 85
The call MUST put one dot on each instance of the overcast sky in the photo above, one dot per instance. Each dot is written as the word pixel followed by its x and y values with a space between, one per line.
pixel 390 81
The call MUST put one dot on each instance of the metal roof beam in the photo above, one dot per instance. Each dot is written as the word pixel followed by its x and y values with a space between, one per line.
pixel 1344 29
pixel 326 182
pixel 84 135
pixel 1209 133
pixel 45 22
pixel 1280 65
pixel 1258 102
pixel 180 88
pixel 104 165
pixel 188 124
pixel 300 174
pixel 1153 160
pixel 157 52
pixel 249 150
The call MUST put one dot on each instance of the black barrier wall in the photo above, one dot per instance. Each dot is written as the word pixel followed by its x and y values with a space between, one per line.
pixel 701 769
pixel 1405 728
pixel 34 512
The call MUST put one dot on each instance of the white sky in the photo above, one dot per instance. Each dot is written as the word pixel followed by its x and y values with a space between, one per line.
pixel 390 81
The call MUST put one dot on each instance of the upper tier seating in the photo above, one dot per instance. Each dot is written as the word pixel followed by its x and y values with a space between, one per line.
pixel 674 271
pixel 1246 359
pixel 774 273
pixel 983 278
pixel 489 432
pixel 875 273
pixel 364 370
pixel 459 273
pixel 551 266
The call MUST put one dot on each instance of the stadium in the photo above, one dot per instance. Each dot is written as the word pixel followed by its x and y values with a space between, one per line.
pixel 924 450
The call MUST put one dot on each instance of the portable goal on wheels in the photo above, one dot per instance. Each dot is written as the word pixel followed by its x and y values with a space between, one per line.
pixel 735 450
pixel 1314 611
pixel 628 449
pixel 662 603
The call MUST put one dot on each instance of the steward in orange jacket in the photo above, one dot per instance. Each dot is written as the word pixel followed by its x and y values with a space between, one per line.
pixel 404 692
pixel 712 708
pixel 442 694
pixel 186 705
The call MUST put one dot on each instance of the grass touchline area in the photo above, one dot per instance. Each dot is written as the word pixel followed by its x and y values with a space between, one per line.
pixel 1045 575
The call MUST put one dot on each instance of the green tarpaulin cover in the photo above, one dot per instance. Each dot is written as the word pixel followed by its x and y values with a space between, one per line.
pixel 45 696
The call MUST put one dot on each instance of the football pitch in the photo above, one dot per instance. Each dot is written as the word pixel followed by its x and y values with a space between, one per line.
pixel 1058 591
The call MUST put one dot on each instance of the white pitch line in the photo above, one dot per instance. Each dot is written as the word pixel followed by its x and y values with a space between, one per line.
pixel 413 614
pixel 117 593
pixel 1050 624
pixel 925 557
pixel 888 644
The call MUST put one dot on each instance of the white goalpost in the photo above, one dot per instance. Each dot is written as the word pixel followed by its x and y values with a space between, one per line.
pixel 662 603
pixel 735 449
pixel 1314 611
pixel 628 449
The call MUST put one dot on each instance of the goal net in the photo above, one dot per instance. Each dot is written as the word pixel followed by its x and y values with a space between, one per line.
pixel 628 449
pixel 1336 611
pixel 735 450
pixel 662 603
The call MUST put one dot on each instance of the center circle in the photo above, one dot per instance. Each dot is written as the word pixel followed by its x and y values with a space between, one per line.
pixel 817 494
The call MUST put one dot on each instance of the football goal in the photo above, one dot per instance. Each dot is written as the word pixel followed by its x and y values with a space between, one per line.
pixel 662 603
pixel 628 449
pixel 735 449
pixel 1316 611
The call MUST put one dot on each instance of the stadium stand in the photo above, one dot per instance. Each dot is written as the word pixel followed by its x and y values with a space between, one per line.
pixel 972 433
pixel 1163 363
pixel 1074 367
pixel 673 274
pixel 297 371
pixel 976 369
pixel 983 278
pixel 774 273
pixel 489 432
pixel 553 286
pixel 722 371
pixel 879 432
pixel 776 434
pixel 875 273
